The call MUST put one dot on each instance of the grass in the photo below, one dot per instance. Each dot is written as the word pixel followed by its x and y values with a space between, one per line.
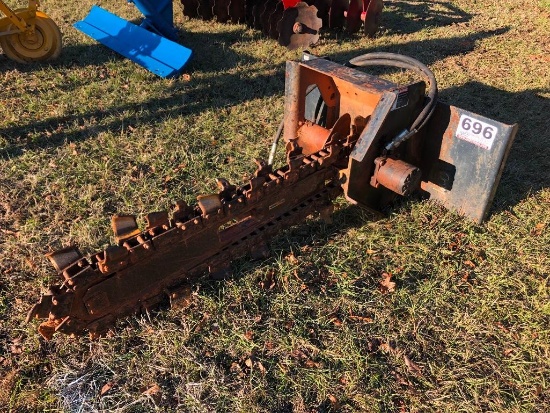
pixel 466 328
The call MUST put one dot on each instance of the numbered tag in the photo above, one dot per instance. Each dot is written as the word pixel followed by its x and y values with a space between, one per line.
pixel 475 131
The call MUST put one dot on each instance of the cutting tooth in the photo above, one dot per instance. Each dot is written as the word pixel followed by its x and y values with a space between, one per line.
pixel 157 219
pixel 209 204
pixel 63 258
pixel 124 227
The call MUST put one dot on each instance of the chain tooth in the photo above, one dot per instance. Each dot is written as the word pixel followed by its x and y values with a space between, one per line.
pixel 124 227
pixel 157 219
pixel 63 258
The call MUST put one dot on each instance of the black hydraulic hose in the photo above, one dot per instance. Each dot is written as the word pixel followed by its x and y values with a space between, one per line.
pixel 404 62
pixel 391 60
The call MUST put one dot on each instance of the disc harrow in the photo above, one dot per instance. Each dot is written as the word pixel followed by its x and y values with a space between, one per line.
pixel 295 24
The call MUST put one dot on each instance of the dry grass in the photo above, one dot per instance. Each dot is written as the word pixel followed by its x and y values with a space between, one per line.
pixel 467 327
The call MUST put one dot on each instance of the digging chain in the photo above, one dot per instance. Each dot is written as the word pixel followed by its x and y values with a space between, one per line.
pixel 146 267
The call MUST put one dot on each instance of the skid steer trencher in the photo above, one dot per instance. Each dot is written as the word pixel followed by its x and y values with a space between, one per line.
pixel 347 133
pixel 150 45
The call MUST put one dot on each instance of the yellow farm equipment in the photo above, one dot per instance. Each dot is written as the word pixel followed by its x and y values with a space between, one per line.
pixel 28 35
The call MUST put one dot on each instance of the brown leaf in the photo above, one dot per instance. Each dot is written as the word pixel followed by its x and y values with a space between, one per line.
pixel 249 335
pixel 269 281
pixel 106 387
pixel 335 320
pixel 151 391
pixel 182 298
pixel 248 362
pixel 311 364
pixel 469 264
pixel 538 229
pixel 333 402
pixel 261 367
pixel 291 258
pixel 269 345
pixel 360 318
pixel 386 285
pixel 413 368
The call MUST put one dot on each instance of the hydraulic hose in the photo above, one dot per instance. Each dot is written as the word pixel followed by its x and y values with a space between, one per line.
pixel 404 62
pixel 390 60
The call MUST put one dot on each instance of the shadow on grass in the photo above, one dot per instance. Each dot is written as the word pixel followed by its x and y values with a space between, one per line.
pixel 404 17
pixel 217 89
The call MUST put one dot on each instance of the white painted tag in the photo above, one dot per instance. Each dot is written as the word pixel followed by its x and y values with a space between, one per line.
pixel 475 131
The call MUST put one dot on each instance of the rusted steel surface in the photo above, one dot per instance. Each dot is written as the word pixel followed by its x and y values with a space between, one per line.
pixel 293 23
pixel 146 266
pixel 339 146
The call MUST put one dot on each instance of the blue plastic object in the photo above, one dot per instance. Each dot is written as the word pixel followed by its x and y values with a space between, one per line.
pixel 159 17
pixel 155 53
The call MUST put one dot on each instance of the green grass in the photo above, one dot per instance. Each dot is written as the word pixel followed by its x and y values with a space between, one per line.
pixel 92 134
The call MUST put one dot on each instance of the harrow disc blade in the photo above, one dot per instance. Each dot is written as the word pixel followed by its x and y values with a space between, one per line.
pixel 336 14
pixel 274 20
pixel 353 16
pixel 221 10
pixel 205 9
pixel 372 17
pixel 237 11
pixel 299 27
pixel 190 8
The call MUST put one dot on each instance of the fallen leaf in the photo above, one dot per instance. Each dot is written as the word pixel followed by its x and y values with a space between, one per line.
pixel 269 281
pixel 413 368
pixel 469 264
pixel 291 258
pixel 248 362
pixel 106 387
pixel 261 367
pixel 181 298
pixel 249 335
pixel 151 391
pixel 360 318
pixel 386 285
pixel 333 402
pixel 538 229
pixel 311 364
